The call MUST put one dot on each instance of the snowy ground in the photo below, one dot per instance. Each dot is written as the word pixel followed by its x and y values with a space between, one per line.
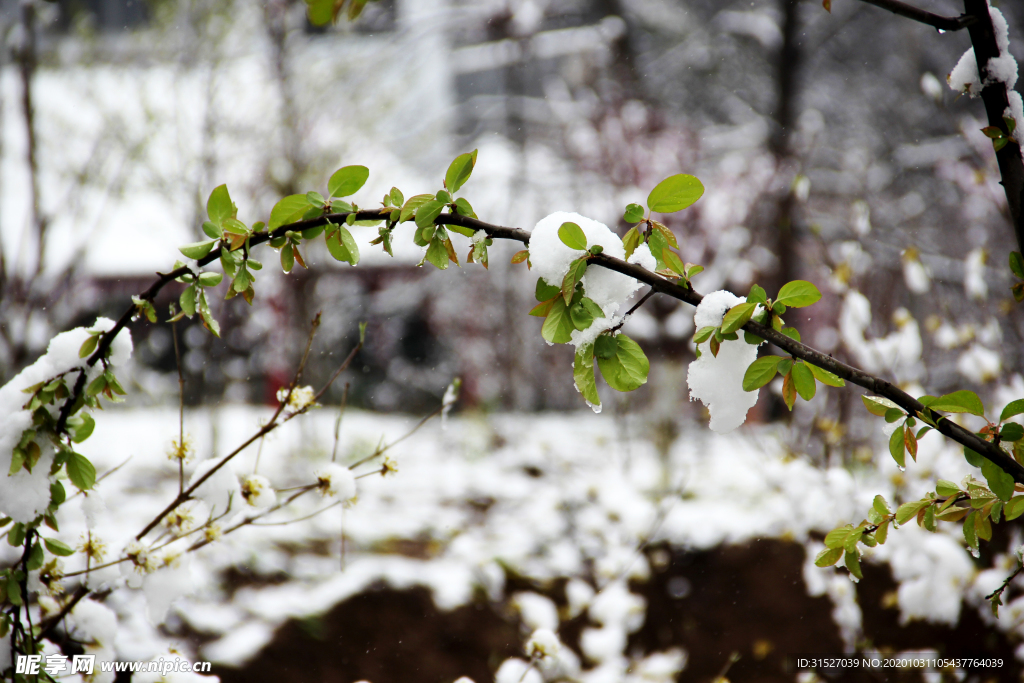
pixel 545 495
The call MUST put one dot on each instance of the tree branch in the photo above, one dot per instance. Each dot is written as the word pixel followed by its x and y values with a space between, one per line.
pixel 910 12
pixel 996 99
pixel 660 284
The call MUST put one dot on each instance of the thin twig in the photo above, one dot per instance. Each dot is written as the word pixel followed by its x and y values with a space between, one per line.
pixel 1011 577
pixel 631 311
pixel 910 12
pixel 380 450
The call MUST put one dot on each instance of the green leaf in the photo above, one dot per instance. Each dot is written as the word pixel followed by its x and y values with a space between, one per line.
pixel 289 210
pixel 826 377
pixel 558 325
pixel 581 317
pixel 80 471
pixel 852 561
pixel 464 208
pixel 946 488
pixel 235 226
pixel 605 346
pixel 187 300
pixel 35 557
pixel 908 511
pixel 204 311
pixel 287 258
pixel 737 317
pixel 210 279
pixel 631 241
pixel 84 429
pixel 574 274
pixel 675 193
pixel 1014 509
pixel 797 294
pixel 828 557
pixel 572 236
pixel 219 206
pixel 757 295
pixel 544 291
pixel 197 250
pixel 58 547
pixel 897 447
pixel 459 171
pixel 760 372
pixel 804 380
pixel 347 181
pixel 426 214
pixel 1011 431
pixel 321 12
pixel 88 346
pixel 342 246
pixel 877 405
pixel 999 481
pixel 669 236
pixel 673 261
pixel 970 530
pixel 963 401
pixel 703 334
pixel 628 368
pixel 212 231
pixel 880 506
pixel 437 253
pixel 1012 408
pixel 634 213
pixel 583 376
pixel 412 204
pixel 1017 264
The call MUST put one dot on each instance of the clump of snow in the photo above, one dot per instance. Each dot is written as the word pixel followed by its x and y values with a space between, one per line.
pixel 24 495
pixel 579 594
pixel 1015 111
pixel 92 622
pixel 536 611
pixel 974 274
pixel 643 257
pixel 979 364
pixel 166 584
pixel 964 76
pixel 932 569
pixel 550 259
pixel 516 670
pixel 581 339
pixel 543 643
pixel 915 274
pixel 93 506
pixel 219 490
pixel 1002 69
pixel 335 481
pixel 718 380
pixel 898 353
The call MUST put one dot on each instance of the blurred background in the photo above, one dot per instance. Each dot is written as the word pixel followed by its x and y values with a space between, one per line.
pixel 831 148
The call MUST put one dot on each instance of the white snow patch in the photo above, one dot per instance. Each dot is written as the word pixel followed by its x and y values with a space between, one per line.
pixel 718 380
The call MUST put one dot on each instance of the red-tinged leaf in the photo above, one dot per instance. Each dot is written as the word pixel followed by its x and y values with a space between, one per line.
pixel 542 309
pixel 298 257
pixel 910 442
pixel 827 4
pixel 715 345
pixel 789 390
pixel 521 256
pixel 993 132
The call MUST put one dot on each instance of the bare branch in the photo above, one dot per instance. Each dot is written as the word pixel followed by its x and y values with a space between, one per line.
pixel 910 12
